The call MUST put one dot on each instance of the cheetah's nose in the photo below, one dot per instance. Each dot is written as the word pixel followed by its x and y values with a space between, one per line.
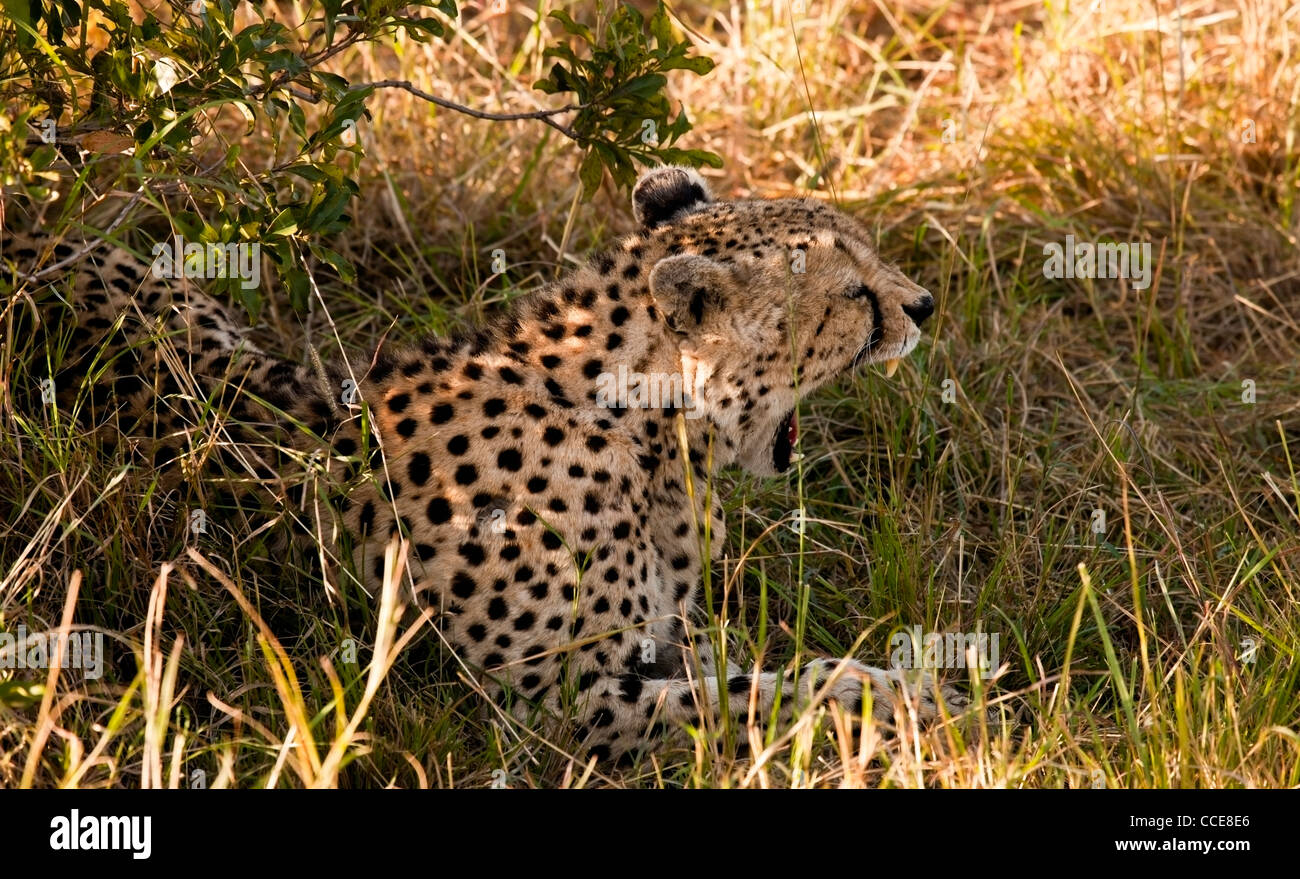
pixel 921 309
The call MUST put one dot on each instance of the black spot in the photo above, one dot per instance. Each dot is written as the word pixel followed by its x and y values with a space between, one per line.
pixel 472 553
pixel 553 436
pixel 510 459
pixel 462 586
pixel 497 608
pixel 631 689
pixel 442 413
pixel 494 407
pixel 406 427
pixel 418 468
pixel 438 511
pixel 466 474
pixel 458 444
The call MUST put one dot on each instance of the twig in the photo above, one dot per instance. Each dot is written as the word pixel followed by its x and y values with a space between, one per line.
pixel 309 63
pixel 543 115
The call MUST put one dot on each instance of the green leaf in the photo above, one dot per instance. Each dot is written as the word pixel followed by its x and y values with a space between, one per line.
pixel 573 27
pixel 590 174
pixel 283 225
pixel 328 210
pixel 698 64
pixel 21 694
pixel 337 261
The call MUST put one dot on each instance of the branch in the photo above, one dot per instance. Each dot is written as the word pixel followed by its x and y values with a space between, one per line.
pixel 309 64
pixel 543 115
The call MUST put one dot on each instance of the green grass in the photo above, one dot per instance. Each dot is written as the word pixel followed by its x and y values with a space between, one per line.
pixel 958 495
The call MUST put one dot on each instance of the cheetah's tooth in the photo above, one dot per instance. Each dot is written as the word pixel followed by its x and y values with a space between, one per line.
pixel 891 367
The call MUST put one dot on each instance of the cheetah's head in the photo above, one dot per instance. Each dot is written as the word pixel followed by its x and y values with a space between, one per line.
pixel 768 301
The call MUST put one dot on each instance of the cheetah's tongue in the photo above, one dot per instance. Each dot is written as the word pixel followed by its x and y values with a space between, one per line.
pixel 792 428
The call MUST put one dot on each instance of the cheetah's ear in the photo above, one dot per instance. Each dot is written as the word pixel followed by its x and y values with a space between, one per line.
pixel 661 193
pixel 689 287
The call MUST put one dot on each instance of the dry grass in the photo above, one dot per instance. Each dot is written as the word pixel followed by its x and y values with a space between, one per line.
pixel 960 494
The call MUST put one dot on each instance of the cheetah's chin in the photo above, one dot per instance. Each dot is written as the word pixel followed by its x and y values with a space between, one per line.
pixel 787 434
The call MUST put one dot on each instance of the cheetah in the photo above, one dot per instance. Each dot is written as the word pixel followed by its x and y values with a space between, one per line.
pixel 556 528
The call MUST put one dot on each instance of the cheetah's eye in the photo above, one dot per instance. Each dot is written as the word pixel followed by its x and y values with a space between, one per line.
pixel 861 291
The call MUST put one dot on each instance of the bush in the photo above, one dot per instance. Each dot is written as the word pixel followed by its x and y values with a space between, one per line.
pixel 161 104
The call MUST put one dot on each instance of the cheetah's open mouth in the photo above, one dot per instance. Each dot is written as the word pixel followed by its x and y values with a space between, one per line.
pixel 787 434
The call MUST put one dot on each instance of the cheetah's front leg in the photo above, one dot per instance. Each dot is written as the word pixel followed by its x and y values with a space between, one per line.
pixel 627 712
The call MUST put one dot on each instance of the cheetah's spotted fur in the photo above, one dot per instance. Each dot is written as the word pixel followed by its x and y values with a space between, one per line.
pixel 554 535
